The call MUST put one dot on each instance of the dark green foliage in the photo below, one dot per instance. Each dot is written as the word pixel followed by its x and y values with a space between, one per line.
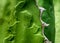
pixel 49 18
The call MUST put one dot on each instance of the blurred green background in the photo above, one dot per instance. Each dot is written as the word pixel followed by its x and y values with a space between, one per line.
pixel 57 20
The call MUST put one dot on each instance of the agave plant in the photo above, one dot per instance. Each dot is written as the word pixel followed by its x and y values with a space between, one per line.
pixel 19 22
